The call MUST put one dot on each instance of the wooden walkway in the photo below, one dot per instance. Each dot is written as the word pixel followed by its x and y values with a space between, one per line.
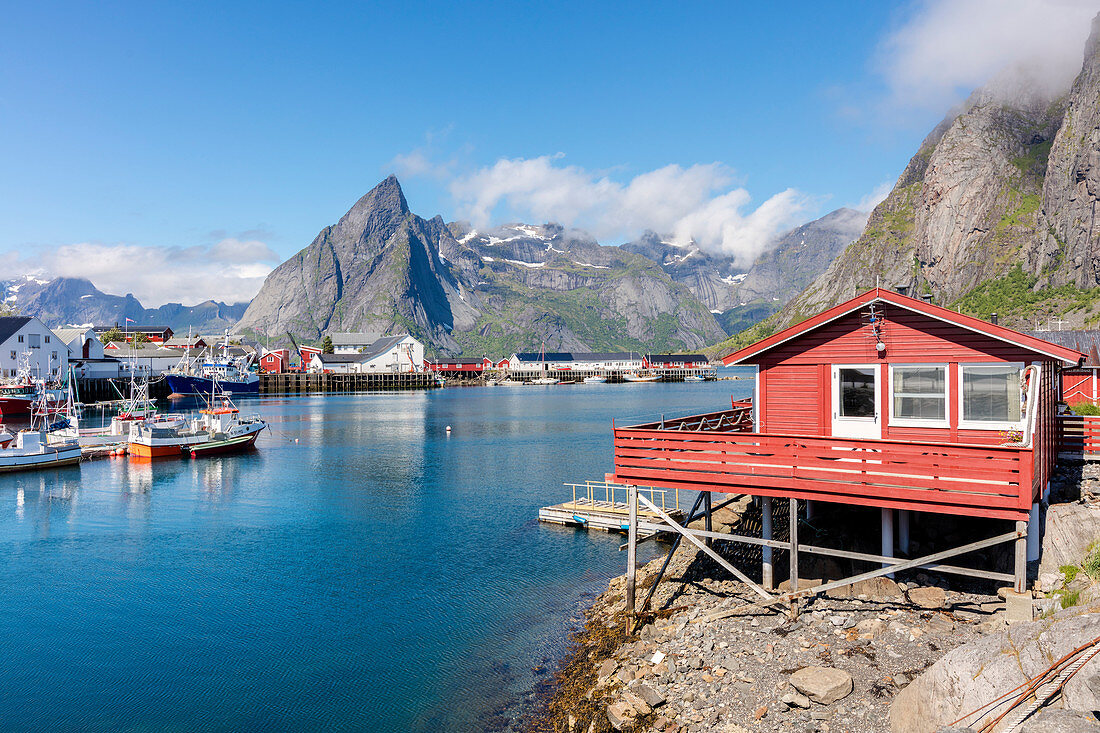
pixel 588 511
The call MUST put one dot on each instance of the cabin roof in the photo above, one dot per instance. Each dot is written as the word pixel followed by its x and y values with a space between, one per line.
pixel 1023 340
pixel 10 324
pixel 359 338
pixel 1087 342
pixel 68 335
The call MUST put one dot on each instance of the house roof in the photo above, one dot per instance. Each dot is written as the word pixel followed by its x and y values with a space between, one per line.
pixel 10 324
pixel 131 328
pixel 1023 340
pixel 382 345
pixel 534 356
pixel 182 341
pixel 1087 342
pixel 68 335
pixel 359 338
pixel 124 351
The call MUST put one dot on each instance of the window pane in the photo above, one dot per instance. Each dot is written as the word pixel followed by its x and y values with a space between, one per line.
pixel 857 392
pixel 991 394
pixel 919 392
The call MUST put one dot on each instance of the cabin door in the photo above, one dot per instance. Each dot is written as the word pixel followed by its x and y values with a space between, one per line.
pixel 856 400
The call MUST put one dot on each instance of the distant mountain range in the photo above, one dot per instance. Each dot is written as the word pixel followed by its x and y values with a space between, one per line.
pixel 66 301
pixel 461 290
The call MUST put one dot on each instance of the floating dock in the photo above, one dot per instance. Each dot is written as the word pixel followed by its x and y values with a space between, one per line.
pixel 595 505
pixel 306 383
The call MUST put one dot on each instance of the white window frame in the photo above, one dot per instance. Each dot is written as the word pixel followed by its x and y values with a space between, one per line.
pixel 965 424
pixel 920 422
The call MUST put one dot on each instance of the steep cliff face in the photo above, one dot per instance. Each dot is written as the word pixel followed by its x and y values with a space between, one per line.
pixel 1067 248
pixel 962 210
pixel 382 268
pixel 997 212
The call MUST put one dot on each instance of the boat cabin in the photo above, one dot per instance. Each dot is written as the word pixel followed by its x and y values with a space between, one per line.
pixel 884 401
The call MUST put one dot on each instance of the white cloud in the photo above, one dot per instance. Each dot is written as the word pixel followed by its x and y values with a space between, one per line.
pixel 946 48
pixel 875 197
pixel 694 203
pixel 231 270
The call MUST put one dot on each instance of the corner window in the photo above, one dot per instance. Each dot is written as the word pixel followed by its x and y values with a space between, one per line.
pixel 991 394
pixel 919 393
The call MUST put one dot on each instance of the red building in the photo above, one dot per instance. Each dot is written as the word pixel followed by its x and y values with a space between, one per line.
pixel 156 334
pixel 459 368
pixel 675 361
pixel 1083 383
pixel 883 401
pixel 275 362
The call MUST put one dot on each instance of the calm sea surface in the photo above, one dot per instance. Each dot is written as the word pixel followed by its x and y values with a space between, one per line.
pixel 377 574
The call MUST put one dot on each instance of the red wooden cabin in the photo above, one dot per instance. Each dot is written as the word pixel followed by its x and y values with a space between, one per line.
pixel 883 401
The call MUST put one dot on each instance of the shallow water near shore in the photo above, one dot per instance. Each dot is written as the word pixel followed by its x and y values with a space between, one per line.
pixel 378 574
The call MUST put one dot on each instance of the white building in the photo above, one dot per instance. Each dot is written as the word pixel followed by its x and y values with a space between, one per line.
pixel 25 342
pixel 388 354
pixel 352 343
pixel 82 343
pixel 568 360
pixel 149 360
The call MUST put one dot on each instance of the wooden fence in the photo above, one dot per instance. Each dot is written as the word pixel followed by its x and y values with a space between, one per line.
pixel 1079 436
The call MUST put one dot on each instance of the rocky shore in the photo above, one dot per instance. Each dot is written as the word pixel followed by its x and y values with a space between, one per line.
pixel 707 660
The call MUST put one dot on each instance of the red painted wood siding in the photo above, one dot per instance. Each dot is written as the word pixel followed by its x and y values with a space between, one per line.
pixel 793 395
pixel 1080 385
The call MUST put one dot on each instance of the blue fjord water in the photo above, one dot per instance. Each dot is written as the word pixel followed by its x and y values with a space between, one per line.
pixel 377 574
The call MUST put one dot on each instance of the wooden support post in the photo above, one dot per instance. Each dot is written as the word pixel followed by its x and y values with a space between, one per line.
pixel 903 530
pixel 707 518
pixel 1034 529
pixel 1021 557
pixel 809 510
pixel 631 547
pixel 888 535
pixel 768 571
pixel 794 556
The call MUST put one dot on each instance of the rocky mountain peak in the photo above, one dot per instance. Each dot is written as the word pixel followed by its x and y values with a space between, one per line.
pixel 377 214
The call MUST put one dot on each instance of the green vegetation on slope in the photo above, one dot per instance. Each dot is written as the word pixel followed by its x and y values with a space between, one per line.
pixel 1015 299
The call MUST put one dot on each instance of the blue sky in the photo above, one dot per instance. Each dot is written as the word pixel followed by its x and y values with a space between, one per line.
pixel 133 134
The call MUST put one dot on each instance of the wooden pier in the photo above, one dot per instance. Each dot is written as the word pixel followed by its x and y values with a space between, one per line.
pixel 299 383
pixel 595 506
pixel 612 375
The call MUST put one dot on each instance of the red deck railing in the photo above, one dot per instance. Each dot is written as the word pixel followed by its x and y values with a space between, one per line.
pixel 995 481
pixel 1079 435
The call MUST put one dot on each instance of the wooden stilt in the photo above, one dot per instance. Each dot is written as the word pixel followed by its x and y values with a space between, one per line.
pixel 767 572
pixel 1020 583
pixel 707 519
pixel 794 556
pixel 632 548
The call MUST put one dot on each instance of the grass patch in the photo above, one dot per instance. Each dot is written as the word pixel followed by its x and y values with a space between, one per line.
pixel 1069 572
pixel 1071 598
pixel 1091 564
pixel 1085 408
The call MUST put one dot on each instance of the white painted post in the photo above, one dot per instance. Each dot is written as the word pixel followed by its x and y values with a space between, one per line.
pixel 1033 531
pixel 903 530
pixel 631 547
pixel 887 536
pixel 794 544
pixel 768 571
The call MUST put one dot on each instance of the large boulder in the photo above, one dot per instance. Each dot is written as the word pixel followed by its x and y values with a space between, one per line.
pixel 823 685
pixel 977 673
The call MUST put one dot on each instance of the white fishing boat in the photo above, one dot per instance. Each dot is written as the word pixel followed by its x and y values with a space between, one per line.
pixel 596 379
pixel 641 377
pixel 545 380
pixel 32 449
pixel 694 378
pixel 138 407
pixel 219 428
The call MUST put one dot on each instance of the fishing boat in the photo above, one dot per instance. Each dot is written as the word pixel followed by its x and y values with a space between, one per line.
pixel 597 379
pixel 231 375
pixel 32 449
pixel 219 428
pixel 545 380
pixel 694 378
pixel 641 377
pixel 542 361
pixel 137 408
